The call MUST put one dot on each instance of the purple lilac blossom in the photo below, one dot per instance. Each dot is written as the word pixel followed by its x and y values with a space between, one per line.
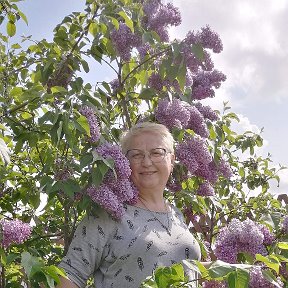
pixel 143 50
pixel 210 39
pixel 207 171
pixel 192 62
pixel 257 280
pixel 91 117
pixel 224 168
pixel 207 112
pixel 204 82
pixel 114 85
pixel 122 188
pixel 172 114
pixel 205 189
pixel 214 284
pixel 285 225
pixel 155 81
pixel 14 231
pixel 159 17
pixel 197 122
pixel 105 197
pixel 124 40
pixel 206 37
pixel 121 163
pixel 115 190
pixel 284 270
pixel 174 185
pixel 193 152
pixel 239 237
pixel 269 238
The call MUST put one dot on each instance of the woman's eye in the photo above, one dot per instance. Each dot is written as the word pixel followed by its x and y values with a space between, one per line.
pixel 137 156
pixel 156 154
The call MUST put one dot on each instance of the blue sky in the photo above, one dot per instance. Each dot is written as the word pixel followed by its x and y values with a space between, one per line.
pixel 254 59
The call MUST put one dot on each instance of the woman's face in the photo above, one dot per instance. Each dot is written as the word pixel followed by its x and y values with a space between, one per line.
pixel 147 175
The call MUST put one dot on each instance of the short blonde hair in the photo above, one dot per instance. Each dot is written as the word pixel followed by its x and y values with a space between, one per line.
pixel 139 128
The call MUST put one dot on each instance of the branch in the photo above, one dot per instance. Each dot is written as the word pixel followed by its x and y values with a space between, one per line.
pixel 84 31
pixel 145 61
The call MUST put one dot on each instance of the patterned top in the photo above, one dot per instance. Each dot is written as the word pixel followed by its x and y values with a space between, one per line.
pixel 123 253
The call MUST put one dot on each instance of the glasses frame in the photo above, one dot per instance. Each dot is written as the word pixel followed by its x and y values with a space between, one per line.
pixel 144 153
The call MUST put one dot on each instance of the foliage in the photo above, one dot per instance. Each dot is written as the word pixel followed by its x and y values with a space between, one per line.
pixel 47 146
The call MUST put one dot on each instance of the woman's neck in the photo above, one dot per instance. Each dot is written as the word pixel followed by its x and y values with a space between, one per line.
pixel 152 202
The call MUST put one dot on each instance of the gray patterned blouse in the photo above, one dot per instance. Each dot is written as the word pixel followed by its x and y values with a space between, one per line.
pixel 123 253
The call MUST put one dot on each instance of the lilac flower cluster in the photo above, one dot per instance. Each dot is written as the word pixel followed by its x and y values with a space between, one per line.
pixel 257 280
pixel 159 17
pixel 285 225
pixel 204 82
pixel 124 40
pixel 283 271
pixel 207 112
pixel 237 237
pixel 269 238
pixel 62 171
pixel 180 114
pixel 114 85
pixel 197 122
pixel 114 190
pixel 214 284
pixel 143 50
pixel 172 114
pixel 121 163
pixel 205 189
pixel 207 38
pixel 193 152
pixel 224 169
pixel 14 231
pixel 91 117
pixel 156 82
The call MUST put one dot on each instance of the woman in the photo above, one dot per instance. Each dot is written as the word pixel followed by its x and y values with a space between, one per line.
pixel 151 233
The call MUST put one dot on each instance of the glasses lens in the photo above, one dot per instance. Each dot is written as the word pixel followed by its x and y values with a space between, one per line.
pixel 137 156
pixel 157 155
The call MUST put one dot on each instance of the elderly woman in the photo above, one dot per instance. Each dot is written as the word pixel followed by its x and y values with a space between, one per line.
pixel 152 233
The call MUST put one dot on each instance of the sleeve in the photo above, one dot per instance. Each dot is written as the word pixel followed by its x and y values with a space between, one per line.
pixel 87 247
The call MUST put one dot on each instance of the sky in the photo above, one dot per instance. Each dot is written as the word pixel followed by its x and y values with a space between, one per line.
pixel 254 59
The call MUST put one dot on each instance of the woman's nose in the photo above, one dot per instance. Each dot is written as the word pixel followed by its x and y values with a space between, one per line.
pixel 146 160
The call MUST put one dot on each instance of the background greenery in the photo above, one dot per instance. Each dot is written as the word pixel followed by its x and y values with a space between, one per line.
pixel 42 129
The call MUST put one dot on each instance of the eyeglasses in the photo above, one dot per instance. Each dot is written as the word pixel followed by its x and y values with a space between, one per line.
pixel 156 155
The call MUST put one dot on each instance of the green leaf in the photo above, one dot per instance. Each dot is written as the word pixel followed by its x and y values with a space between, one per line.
pixel 241 278
pixel 93 29
pixel 198 51
pixel 85 66
pixel 70 187
pixel 30 263
pixel 115 22
pixel 11 28
pixel 11 257
pixel 283 245
pixel 16 92
pixel 83 125
pixel 127 20
pixel 181 75
pixel 23 16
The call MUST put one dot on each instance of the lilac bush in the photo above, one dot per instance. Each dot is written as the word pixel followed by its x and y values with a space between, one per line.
pixel 89 113
pixel 14 232
pixel 237 237
pixel 115 190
